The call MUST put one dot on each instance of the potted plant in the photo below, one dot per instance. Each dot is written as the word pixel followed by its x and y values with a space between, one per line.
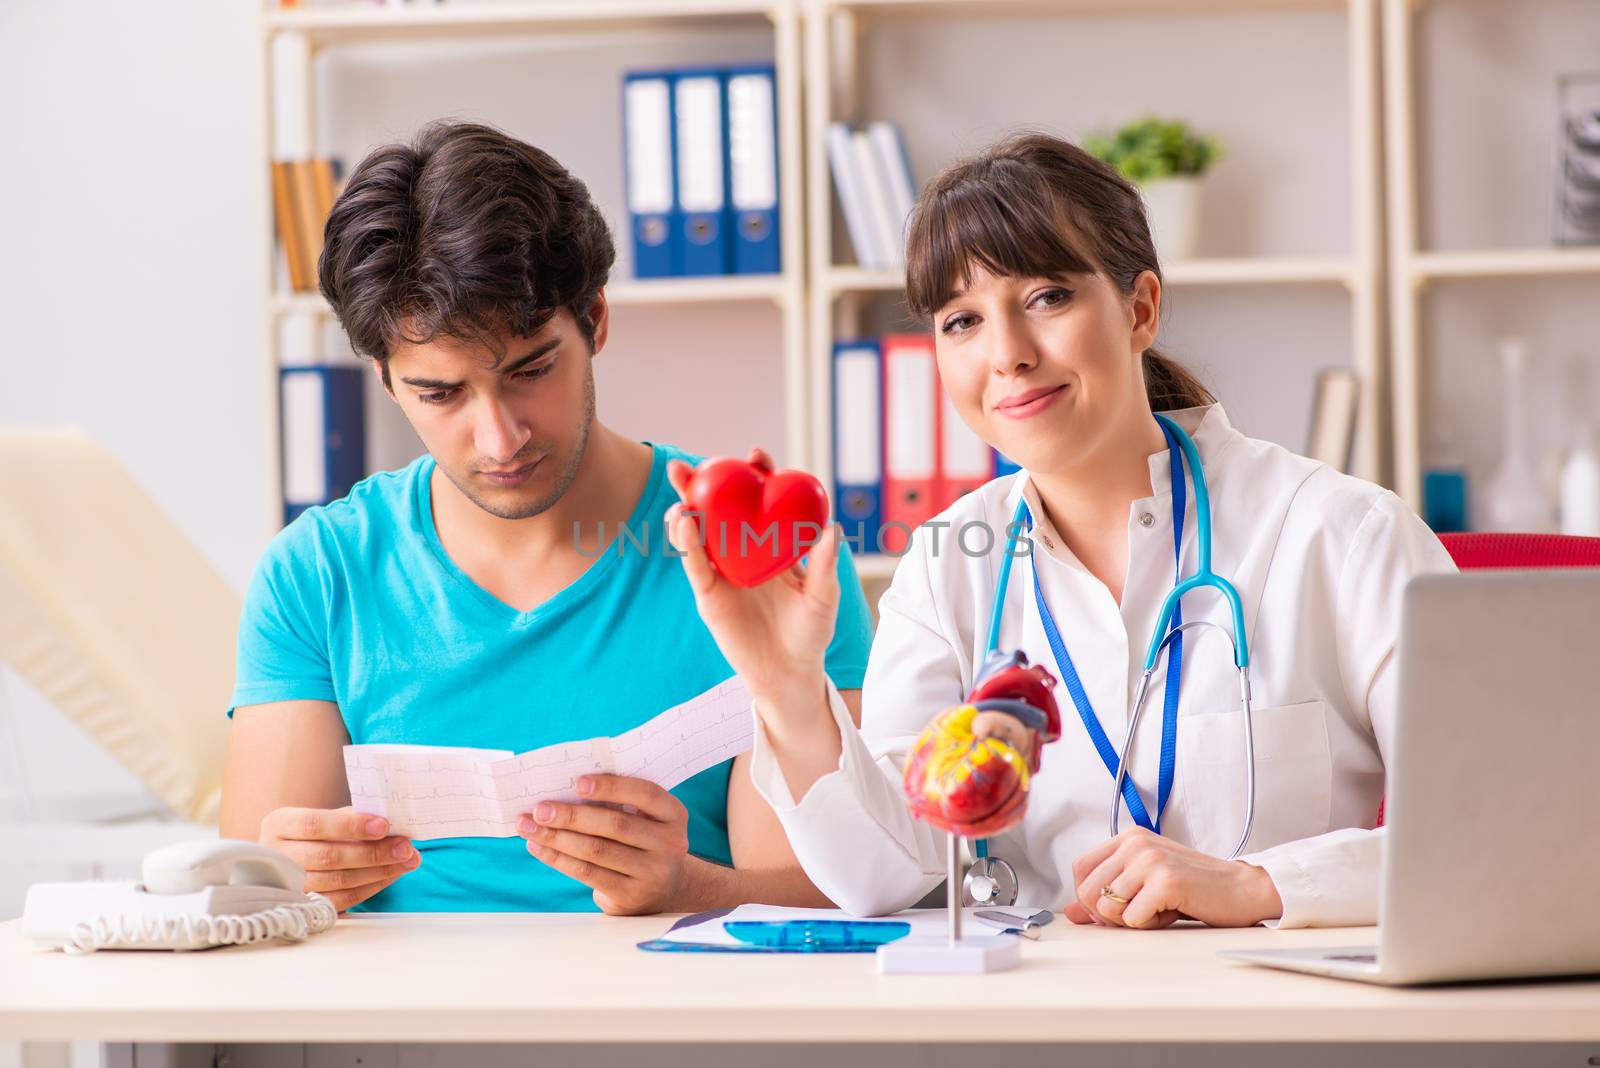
pixel 1165 158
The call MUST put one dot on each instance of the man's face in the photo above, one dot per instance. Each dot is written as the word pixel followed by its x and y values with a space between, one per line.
pixel 506 421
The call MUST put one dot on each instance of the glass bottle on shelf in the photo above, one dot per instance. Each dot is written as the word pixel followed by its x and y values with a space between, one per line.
pixel 1514 498
pixel 1580 484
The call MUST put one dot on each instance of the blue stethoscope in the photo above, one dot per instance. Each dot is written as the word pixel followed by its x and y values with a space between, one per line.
pixel 990 872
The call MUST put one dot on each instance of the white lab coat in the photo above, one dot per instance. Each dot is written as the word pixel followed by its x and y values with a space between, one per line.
pixel 1319 559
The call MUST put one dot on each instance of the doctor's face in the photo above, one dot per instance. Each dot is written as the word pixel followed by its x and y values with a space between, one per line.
pixel 1047 370
pixel 506 419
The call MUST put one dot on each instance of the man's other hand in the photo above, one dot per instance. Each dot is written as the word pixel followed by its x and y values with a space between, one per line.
pixel 629 843
pixel 348 855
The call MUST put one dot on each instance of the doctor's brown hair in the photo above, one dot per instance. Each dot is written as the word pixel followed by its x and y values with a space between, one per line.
pixel 1020 209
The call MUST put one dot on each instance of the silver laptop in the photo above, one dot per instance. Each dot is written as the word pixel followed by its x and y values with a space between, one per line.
pixel 1491 861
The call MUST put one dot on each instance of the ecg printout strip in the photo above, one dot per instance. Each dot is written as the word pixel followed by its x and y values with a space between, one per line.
pixel 440 791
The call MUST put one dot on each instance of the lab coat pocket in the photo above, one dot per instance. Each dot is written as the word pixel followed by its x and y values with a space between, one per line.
pixel 1294 776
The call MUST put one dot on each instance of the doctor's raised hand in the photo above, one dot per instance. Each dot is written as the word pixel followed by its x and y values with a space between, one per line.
pixel 774 632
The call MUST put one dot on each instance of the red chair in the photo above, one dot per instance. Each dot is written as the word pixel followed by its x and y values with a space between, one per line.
pixel 1475 551
pixel 1471 551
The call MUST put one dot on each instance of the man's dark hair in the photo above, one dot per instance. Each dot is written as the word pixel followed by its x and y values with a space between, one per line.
pixel 463 233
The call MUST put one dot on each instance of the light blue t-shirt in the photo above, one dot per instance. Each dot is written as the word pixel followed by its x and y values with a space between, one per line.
pixel 357 603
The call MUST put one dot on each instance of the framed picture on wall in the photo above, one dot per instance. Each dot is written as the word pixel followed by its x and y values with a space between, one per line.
pixel 1333 417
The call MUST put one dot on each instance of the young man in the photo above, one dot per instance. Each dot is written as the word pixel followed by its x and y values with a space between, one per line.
pixel 463 600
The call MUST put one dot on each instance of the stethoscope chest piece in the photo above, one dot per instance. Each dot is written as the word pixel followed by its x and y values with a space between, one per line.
pixel 990 881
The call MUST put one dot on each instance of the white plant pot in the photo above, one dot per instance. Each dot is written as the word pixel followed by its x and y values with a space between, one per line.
pixel 1173 208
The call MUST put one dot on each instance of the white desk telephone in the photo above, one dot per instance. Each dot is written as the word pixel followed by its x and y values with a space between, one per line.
pixel 193 895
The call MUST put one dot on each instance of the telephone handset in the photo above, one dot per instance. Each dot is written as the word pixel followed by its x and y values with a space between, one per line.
pixel 192 895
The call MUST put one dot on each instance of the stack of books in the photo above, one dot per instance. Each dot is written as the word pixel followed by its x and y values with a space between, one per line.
pixel 303 192
pixel 876 192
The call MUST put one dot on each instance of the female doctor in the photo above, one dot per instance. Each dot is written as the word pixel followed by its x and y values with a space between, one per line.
pixel 1033 265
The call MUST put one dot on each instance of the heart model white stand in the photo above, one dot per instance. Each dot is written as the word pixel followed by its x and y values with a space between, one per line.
pixel 954 954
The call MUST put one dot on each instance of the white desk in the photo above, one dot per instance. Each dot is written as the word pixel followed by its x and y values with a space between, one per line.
pixel 578 978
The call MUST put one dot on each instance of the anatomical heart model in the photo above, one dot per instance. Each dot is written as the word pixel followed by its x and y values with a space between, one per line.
pixel 976 787
pixel 969 774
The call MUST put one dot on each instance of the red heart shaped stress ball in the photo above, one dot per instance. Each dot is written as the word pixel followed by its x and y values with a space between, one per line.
pixel 756 521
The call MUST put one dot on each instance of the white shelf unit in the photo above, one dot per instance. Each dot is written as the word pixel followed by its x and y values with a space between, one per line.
pixel 833 88
pixel 332 27
pixel 1267 271
pixel 365 22
pixel 627 292
pixel 1413 269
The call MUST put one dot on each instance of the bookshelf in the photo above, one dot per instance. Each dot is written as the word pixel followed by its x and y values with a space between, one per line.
pixel 314 31
pixel 1370 278
pixel 628 292
pixel 1267 271
pixel 1417 271
pixel 835 89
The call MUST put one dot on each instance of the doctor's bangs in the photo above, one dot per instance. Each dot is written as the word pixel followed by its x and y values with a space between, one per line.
pixel 1031 206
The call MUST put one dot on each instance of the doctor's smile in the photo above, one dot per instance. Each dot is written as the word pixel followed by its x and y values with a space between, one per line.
pixel 1027 404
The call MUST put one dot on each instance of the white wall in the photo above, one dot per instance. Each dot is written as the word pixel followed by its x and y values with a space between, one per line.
pixel 129 285
pixel 130 289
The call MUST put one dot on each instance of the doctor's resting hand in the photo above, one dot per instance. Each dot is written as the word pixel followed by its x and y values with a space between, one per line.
pixel 348 856
pixel 628 842
pixel 1162 882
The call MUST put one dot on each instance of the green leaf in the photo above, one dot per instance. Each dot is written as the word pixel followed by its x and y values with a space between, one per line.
pixel 1152 148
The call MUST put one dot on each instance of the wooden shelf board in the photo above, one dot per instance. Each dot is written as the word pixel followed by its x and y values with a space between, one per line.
pixel 624 293
pixel 863 280
pixel 281 303
pixel 876 566
pixel 1506 263
pixel 1265 270
pixel 990 8
pixel 356 21
pixel 769 287
pixel 1261 270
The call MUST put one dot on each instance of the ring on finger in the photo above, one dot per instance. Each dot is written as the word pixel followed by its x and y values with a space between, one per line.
pixel 1107 892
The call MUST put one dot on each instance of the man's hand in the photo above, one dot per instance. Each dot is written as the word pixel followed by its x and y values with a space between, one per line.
pixel 634 861
pixel 1163 882
pixel 348 856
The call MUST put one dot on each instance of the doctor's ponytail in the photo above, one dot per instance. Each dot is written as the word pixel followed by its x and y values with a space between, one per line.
pixel 1035 206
